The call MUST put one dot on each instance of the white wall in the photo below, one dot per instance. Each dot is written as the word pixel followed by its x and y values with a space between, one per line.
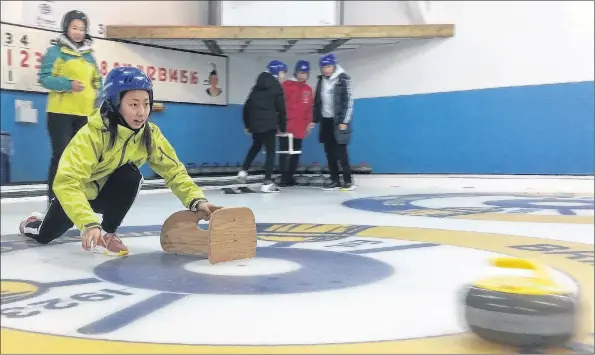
pixel 182 13
pixel 385 12
pixel 250 13
pixel 243 70
pixel 497 44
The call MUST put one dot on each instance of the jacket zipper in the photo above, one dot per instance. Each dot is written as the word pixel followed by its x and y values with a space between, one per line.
pixel 124 150
pixel 167 156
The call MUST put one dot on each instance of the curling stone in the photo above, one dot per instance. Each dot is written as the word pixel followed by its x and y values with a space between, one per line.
pixel 314 168
pixel 217 169
pixel 362 168
pixel 258 167
pixel 521 311
pixel 229 168
pixel 206 169
pixel 302 180
pixel 301 169
pixel 192 169
pixel 316 180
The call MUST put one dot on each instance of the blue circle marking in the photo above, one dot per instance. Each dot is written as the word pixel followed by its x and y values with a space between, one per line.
pixel 405 204
pixel 546 204
pixel 320 271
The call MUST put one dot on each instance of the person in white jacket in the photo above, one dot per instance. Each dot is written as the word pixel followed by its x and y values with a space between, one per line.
pixel 333 111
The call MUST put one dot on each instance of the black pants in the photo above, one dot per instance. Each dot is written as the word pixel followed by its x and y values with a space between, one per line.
pixel 61 129
pixel 334 152
pixel 288 162
pixel 113 201
pixel 269 140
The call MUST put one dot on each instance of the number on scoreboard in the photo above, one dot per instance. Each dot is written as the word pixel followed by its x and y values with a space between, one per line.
pixel 24 41
pixel 8 39
pixel 9 75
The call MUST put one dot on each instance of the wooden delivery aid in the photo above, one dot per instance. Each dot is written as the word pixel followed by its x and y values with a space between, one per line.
pixel 231 234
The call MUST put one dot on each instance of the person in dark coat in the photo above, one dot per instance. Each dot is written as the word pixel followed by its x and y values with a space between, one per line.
pixel 264 116
pixel 333 111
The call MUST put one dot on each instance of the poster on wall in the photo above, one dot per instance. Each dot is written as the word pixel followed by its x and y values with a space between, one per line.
pixel 177 76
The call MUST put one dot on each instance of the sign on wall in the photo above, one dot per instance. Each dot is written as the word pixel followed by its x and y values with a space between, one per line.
pixel 177 76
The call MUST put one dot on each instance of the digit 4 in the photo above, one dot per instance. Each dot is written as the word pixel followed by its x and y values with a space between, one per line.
pixel 25 40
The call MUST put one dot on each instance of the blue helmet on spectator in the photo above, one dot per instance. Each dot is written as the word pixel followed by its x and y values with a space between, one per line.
pixel 328 59
pixel 120 80
pixel 302 66
pixel 275 67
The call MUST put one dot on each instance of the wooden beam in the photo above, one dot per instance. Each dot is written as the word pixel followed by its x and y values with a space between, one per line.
pixel 332 46
pixel 283 32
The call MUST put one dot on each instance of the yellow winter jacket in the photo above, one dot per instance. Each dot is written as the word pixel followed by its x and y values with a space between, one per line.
pixel 62 64
pixel 87 163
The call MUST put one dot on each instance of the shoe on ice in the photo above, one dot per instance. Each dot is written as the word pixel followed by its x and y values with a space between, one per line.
pixel 331 186
pixel 242 175
pixel 348 187
pixel 30 224
pixel 112 245
pixel 269 188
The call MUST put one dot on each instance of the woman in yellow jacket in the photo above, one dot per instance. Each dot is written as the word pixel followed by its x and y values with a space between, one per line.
pixel 69 71
pixel 99 169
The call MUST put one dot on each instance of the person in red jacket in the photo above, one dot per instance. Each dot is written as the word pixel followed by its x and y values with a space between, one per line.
pixel 299 107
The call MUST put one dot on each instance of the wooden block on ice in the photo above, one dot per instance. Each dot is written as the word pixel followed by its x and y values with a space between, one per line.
pixel 231 234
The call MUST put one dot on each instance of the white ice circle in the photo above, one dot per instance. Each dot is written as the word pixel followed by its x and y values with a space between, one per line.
pixel 252 267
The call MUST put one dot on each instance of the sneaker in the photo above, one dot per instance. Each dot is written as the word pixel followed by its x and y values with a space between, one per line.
pixel 348 187
pixel 113 245
pixel 331 186
pixel 269 188
pixel 242 175
pixel 32 217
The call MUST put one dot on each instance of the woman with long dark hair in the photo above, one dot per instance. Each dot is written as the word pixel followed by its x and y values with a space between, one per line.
pixel 99 169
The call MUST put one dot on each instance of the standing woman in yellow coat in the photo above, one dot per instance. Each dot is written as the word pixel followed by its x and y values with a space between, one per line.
pixel 69 71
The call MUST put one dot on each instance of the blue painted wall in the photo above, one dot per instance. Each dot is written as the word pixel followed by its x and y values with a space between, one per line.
pixel 212 134
pixel 542 129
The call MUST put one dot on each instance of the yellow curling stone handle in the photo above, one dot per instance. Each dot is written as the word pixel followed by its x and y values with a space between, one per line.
pixel 540 283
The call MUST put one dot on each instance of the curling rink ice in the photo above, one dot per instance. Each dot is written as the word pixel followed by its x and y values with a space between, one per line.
pixel 377 270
